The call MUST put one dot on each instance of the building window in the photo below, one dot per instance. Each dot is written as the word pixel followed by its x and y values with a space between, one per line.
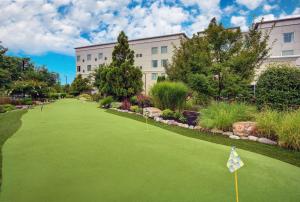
pixel 89 68
pixel 105 58
pixel 164 49
pixel 154 76
pixel 100 56
pixel 141 55
pixel 164 63
pixel 287 52
pixel 288 37
pixel 78 68
pixel 78 58
pixel 141 67
pixel 136 55
pixel 154 50
pixel 95 59
pixel 88 57
pixel 154 63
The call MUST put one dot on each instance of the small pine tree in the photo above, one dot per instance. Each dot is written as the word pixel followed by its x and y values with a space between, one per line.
pixel 122 53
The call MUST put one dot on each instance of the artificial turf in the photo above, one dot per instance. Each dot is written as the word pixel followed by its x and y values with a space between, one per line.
pixel 73 151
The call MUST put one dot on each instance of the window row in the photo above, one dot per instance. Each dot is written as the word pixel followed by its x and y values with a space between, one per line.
pixel 89 57
pixel 88 68
pixel 163 63
pixel 163 49
pixel 155 75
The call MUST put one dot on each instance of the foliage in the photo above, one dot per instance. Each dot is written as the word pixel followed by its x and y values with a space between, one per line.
pixel 96 97
pixel 106 102
pixel 161 78
pixel 2 109
pixel 219 62
pixel 279 87
pixel 222 115
pixel 80 85
pixel 8 107
pixel 143 100
pixel 267 121
pixel 32 88
pixel 136 109
pixel 134 100
pixel 27 101
pixel 54 96
pixel 125 105
pixel 85 97
pixel 69 96
pixel 288 131
pixel 169 95
pixel 116 105
pixel 168 114
pixel 120 79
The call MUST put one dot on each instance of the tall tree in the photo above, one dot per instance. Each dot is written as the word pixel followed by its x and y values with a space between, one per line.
pixel 80 85
pixel 122 53
pixel 220 62
pixel 121 78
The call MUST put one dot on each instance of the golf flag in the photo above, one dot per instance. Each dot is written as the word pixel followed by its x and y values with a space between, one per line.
pixel 234 162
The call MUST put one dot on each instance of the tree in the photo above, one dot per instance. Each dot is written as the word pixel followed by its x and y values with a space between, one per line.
pixel 120 79
pixel 80 85
pixel 219 62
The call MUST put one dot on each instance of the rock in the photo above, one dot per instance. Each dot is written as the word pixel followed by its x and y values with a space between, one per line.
pixel 266 141
pixel 234 137
pixel 245 128
pixel 227 133
pixel 158 119
pixel 244 138
pixel 191 127
pixel 252 138
pixel 197 128
pixel 152 112
pixel 216 131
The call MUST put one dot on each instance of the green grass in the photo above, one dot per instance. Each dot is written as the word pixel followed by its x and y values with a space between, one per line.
pixel 10 122
pixel 73 151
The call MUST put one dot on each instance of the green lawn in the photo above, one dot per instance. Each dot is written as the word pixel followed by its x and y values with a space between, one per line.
pixel 74 152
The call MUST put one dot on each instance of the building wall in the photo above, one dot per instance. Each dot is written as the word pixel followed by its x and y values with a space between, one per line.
pixel 143 56
pixel 281 50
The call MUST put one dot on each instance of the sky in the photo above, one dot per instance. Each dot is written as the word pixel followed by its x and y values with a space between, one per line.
pixel 47 31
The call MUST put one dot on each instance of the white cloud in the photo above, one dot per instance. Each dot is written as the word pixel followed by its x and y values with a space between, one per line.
pixel 239 21
pixel 268 7
pixel 250 4
pixel 228 10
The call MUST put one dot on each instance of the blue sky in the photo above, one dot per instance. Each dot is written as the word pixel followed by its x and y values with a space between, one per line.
pixel 48 30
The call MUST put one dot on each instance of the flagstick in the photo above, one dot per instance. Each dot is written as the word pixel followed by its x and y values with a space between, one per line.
pixel 236 186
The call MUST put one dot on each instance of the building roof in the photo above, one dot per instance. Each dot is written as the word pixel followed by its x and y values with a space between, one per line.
pixel 278 20
pixel 134 40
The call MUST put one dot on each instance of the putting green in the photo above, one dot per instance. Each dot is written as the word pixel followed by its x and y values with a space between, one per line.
pixel 73 151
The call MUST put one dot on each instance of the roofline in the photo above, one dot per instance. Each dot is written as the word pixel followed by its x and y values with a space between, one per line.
pixel 278 20
pixel 133 40
pixel 228 28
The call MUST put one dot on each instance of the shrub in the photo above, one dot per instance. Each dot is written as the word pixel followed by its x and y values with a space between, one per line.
pixel 106 102
pixel 289 130
pixel 267 121
pixel 134 108
pixel 63 95
pixel 27 101
pixel 54 96
pixel 168 114
pixel 134 100
pixel 279 87
pixel 2 109
pixel 126 105
pixel 69 96
pixel 85 97
pixel 143 100
pixel 9 107
pixel 169 95
pixel 116 105
pixel 222 115
pixel 96 97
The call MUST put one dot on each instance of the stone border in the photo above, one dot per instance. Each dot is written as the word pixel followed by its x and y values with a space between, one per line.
pixel 199 128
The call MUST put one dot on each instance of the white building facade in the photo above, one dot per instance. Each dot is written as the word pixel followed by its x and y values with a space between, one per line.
pixel 284 41
pixel 151 56
pixel 154 53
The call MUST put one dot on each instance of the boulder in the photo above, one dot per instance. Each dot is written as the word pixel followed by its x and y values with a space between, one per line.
pixel 197 128
pixel 234 137
pixel 227 133
pixel 244 128
pixel 191 127
pixel 152 112
pixel 266 141
pixel 252 138
pixel 216 131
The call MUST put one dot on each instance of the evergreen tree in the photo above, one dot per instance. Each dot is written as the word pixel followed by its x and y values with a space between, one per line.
pixel 122 53
pixel 121 79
